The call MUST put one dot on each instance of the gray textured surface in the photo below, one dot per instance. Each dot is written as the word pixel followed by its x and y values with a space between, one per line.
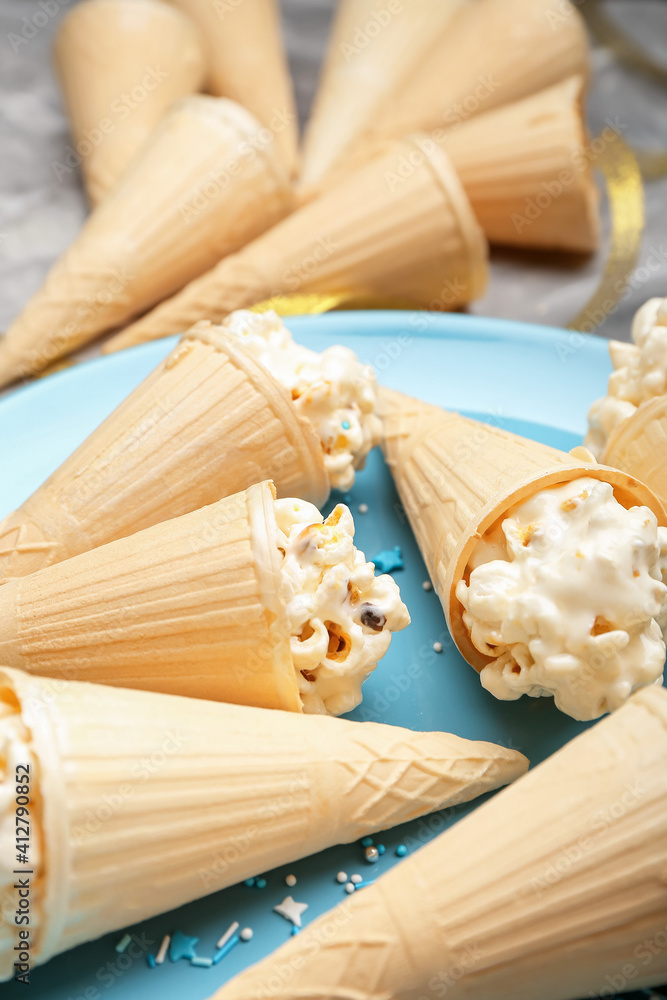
pixel 39 214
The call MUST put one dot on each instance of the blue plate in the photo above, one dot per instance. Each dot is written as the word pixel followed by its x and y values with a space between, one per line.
pixel 533 380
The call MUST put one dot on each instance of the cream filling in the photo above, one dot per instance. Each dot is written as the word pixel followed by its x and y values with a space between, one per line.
pixel 640 373
pixel 568 595
pixel 332 390
pixel 340 615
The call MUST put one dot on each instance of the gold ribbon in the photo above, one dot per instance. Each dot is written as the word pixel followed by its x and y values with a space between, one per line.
pixel 625 193
pixel 653 163
pixel 313 303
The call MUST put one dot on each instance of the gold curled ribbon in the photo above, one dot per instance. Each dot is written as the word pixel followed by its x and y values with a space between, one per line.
pixel 653 163
pixel 313 303
pixel 625 192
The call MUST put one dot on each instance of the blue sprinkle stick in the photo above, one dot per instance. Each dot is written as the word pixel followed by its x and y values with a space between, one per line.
pixel 204 963
pixel 346 425
pixel 362 885
pixel 295 930
pixel 150 960
pixel 226 948
pixel 124 943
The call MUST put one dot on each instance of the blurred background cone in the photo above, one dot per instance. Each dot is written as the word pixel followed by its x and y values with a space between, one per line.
pixel 207 422
pixel 491 54
pixel 190 606
pixel 456 477
pixel 550 891
pixel 638 446
pixel 247 62
pixel 525 170
pixel 374 48
pixel 399 229
pixel 155 800
pixel 121 64
pixel 201 187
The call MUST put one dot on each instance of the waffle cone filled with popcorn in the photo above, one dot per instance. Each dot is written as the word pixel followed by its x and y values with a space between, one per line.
pixel 458 477
pixel 157 800
pixel 207 422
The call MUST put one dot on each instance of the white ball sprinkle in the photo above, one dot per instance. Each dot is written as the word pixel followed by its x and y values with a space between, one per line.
pixel 290 880
pixel 349 888
pixel 437 647
pixel 341 877
pixel 356 879
pixel 363 508
pixel 246 934
pixel 427 585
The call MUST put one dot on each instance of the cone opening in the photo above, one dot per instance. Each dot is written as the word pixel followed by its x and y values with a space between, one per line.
pixel 628 491
pixel 264 535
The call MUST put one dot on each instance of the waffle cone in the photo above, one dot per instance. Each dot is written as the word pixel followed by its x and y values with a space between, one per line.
pixel 456 477
pixel 148 801
pixel 639 444
pixel 525 170
pixel 107 50
pixel 247 63
pixel 178 210
pixel 371 53
pixel 567 892
pixel 491 55
pixel 209 421
pixel 400 227
pixel 190 607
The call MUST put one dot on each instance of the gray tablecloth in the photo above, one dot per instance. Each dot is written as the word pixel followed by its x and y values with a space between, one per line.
pixel 40 214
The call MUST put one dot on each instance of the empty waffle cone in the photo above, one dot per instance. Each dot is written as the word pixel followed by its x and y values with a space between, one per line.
pixel 202 186
pixel 143 802
pixel 456 477
pixel 401 227
pixel 491 54
pixel 190 606
pixel 207 422
pixel 638 446
pixel 373 50
pixel 553 890
pixel 121 64
pixel 247 63
pixel 526 172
